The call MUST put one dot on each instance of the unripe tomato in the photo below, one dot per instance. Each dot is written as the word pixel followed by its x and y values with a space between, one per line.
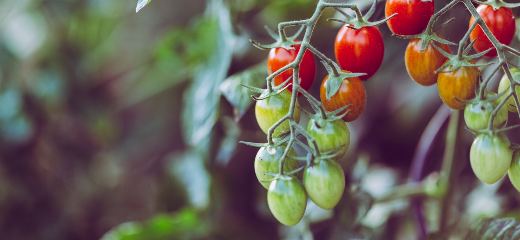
pixel 514 171
pixel 360 50
pixel 502 24
pixel 478 114
pixel 421 65
pixel 325 183
pixel 287 200
pixel 457 86
pixel 267 161
pixel 280 57
pixel 505 86
pixel 270 110
pixel 490 157
pixel 351 92
pixel 331 137
pixel 412 15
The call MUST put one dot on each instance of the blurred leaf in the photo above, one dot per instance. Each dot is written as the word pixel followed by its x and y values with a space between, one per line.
pixel 354 207
pixel 141 4
pixel 238 95
pixel 189 169
pixel 18 129
pixel 229 143
pixel 11 100
pixel 504 228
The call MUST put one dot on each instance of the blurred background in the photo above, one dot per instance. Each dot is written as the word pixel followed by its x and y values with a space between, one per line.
pixel 119 125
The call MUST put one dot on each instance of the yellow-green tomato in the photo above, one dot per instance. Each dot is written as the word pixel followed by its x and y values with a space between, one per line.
pixel 490 157
pixel 325 183
pixel 287 200
pixel 331 136
pixel 478 114
pixel 514 171
pixel 505 86
pixel 270 110
pixel 267 163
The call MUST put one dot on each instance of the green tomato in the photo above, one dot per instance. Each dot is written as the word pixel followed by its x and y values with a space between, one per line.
pixel 331 137
pixel 325 183
pixel 505 86
pixel 514 171
pixel 267 162
pixel 490 157
pixel 287 200
pixel 270 110
pixel 478 114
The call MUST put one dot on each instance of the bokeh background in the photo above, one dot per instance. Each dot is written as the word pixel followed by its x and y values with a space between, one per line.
pixel 119 125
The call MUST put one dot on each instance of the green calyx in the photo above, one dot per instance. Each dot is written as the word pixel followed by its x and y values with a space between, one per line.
pixel 359 21
pixel 496 4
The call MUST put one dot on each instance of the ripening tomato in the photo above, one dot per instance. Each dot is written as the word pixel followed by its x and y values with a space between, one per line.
pixel 505 85
pixel 490 157
pixel 421 65
pixel 514 171
pixel 267 162
pixel 458 86
pixel 325 183
pixel 330 136
pixel 280 57
pixel 351 93
pixel 412 15
pixel 478 114
pixel 360 50
pixel 502 24
pixel 270 110
pixel 287 200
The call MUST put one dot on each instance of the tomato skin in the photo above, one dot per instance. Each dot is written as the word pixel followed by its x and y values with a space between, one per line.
pixel 421 66
pixel 478 114
pixel 330 136
pixel 502 24
pixel 360 50
pixel 505 85
pixel 280 57
pixel 287 200
pixel 412 15
pixel 268 111
pixel 514 171
pixel 267 160
pixel 490 157
pixel 457 86
pixel 351 92
pixel 325 183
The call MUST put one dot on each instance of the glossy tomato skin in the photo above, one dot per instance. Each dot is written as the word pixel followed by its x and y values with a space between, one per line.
pixel 331 136
pixel 267 162
pixel 360 50
pixel 490 157
pixel 270 110
pixel 280 57
pixel 412 15
pixel 502 24
pixel 421 65
pixel 351 92
pixel 505 86
pixel 514 171
pixel 478 114
pixel 325 183
pixel 457 86
pixel 287 200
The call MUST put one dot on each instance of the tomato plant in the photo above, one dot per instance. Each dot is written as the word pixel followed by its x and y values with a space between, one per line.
pixel 280 57
pixel 360 50
pixel 325 183
pixel 287 200
pixel 490 157
pixel 505 86
pixel 351 94
pixel 331 136
pixel 267 163
pixel 270 110
pixel 500 21
pixel 514 171
pixel 477 114
pixel 422 65
pixel 412 15
pixel 457 86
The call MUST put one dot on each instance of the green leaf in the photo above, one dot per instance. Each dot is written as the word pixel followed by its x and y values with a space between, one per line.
pixel 238 95
pixel 230 141
pixel 189 169
pixel 502 228
pixel 332 86
pixel 141 4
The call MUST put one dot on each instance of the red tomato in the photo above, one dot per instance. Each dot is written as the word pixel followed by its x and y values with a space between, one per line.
pixel 360 50
pixel 280 57
pixel 502 24
pixel 412 15
pixel 351 92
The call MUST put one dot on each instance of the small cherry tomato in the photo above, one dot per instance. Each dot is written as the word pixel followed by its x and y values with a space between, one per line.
pixel 502 24
pixel 287 200
pixel 478 114
pixel 331 136
pixel 270 110
pixel 490 157
pixel 457 86
pixel 351 93
pixel 280 57
pixel 267 162
pixel 412 15
pixel 360 50
pixel 505 86
pixel 421 65
pixel 325 183
pixel 514 171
